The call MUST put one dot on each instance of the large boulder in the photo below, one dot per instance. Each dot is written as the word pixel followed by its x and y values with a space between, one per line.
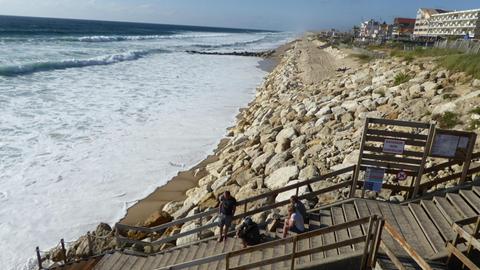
pixel 287 133
pixel 289 193
pixel 157 218
pixel 260 162
pixel 309 172
pixel 280 177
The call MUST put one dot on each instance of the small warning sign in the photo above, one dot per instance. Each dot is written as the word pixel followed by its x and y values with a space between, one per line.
pixel 393 146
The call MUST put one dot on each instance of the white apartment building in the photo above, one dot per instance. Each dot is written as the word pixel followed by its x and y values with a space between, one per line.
pixel 440 23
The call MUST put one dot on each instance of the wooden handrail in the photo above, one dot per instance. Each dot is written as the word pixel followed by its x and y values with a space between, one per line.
pixel 122 239
pixel 248 200
pixel 407 247
pixel 292 239
pixel 463 236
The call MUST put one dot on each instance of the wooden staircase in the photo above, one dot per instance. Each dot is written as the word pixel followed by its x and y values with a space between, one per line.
pixel 425 224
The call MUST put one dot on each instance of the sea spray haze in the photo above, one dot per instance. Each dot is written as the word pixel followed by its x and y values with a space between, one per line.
pixel 95 115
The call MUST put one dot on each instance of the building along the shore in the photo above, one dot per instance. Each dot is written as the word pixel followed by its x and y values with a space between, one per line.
pixel 433 23
pixel 403 28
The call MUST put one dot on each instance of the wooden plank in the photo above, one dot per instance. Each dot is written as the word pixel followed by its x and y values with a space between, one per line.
pixel 472 199
pixel 429 230
pixel 226 247
pixel 278 250
pixel 111 260
pixel 407 247
pixel 129 263
pixel 370 138
pixel 355 231
pixel 377 149
pixel 416 234
pixel 442 224
pixel 120 262
pixel 329 238
pixel 173 257
pixel 467 236
pixel 389 241
pixel 392 187
pixel 192 252
pixel 447 209
pixel 418 179
pixel 464 259
pixel 102 261
pixel 399 123
pixel 340 235
pixel 462 206
pixel 392 158
pixel 303 244
pixel 288 250
pixel 390 165
pixel 397 134
pixel 201 254
pixel 183 254
pixel 476 189
pixel 149 262
pixel 139 264
pixel 391 255
pixel 267 254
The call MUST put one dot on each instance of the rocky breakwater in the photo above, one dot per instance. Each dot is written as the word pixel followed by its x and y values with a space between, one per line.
pixel 301 125
pixel 296 130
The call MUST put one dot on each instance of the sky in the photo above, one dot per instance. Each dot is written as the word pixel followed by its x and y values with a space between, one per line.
pixel 292 15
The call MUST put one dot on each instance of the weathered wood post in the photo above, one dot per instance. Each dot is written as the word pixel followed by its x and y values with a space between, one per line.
pixel 90 248
pixel 64 251
pixel 39 258
pixel 294 252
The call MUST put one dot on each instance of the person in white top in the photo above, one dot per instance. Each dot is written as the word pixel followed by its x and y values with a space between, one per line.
pixel 294 222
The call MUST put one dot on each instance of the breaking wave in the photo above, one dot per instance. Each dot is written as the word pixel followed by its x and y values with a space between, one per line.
pixel 24 69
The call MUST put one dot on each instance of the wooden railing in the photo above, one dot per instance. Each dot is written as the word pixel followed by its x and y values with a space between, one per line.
pixel 436 168
pixel 240 204
pixel 371 238
pixel 462 236
pixel 397 236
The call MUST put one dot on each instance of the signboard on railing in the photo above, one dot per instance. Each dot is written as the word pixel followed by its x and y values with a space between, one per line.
pixel 450 144
pixel 393 146
pixel 374 179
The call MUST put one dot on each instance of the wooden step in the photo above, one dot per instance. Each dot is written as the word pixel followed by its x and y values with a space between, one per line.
pixel 428 228
pixel 317 241
pixel 461 205
pixel 328 238
pixel 102 261
pixel 374 208
pixel 149 262
pixel 202 253
pixel 476 189
pixel 355 231
pixel 226 247
pixel 340 235
pixel 288 250
pixel 212 248
pixel 120 262
pixel 438 219
pixel 267 253
pixel 278 250
pixel 448 211
pixel 109 261
pixel 472 199
pixel 128 265
pixel 414 231
pixel 302 245
pixel 161 259
pixel 183 254
pixel 139 264
pixel 192 251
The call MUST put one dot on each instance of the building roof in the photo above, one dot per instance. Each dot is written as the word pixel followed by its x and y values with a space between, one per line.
pixel 404 20
pixel 433 11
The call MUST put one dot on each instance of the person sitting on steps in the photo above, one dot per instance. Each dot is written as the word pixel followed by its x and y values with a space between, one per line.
pixel 300 207
pixel 226 210
pixel 294 222
pixel 249 232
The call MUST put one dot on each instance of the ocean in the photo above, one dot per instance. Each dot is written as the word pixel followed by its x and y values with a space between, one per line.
pixel 95 115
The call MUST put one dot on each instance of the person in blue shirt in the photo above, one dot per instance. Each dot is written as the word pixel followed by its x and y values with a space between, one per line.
pixel 226 209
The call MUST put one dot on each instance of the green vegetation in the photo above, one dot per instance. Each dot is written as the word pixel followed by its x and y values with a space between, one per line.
pixel 476 110
pixel 468 63
pixel 401 78
pixel 364 57
pixel 447 120
pixel 423 52
pixel 474 124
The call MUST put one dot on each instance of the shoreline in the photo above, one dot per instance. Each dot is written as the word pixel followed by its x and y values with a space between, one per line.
pixel 175 188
